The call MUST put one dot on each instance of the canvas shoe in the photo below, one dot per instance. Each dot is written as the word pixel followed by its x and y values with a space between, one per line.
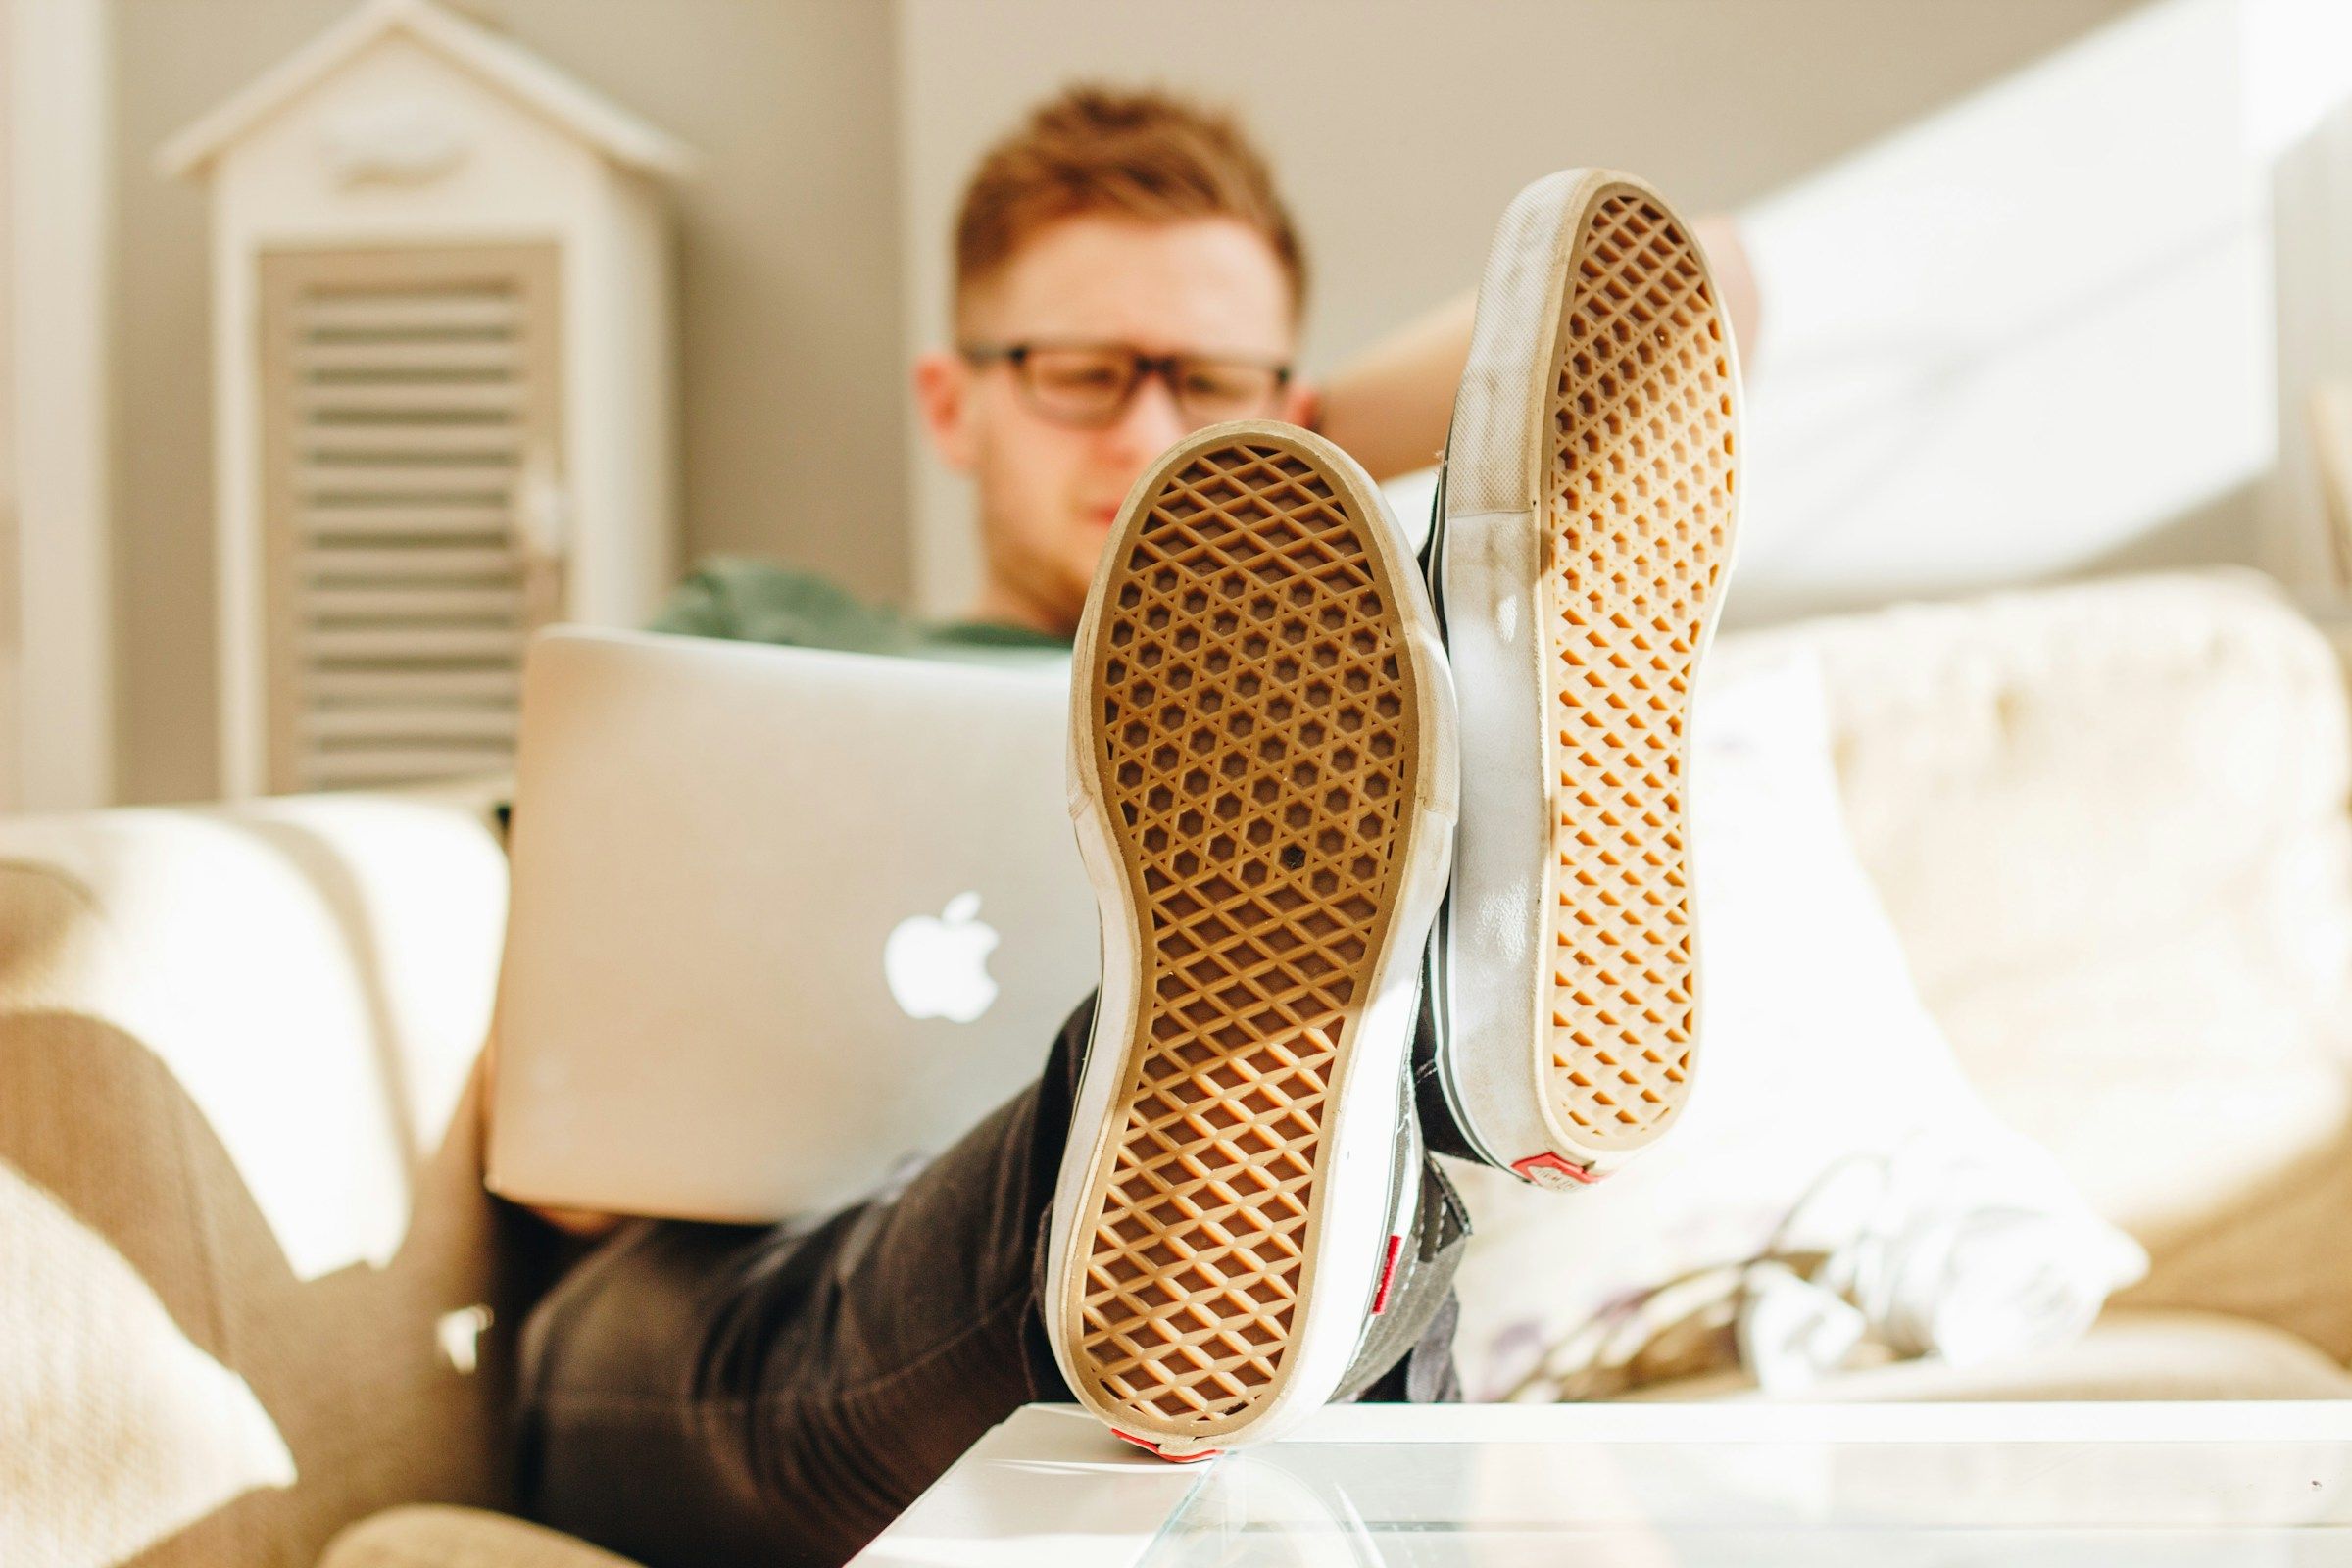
pixel 1577 561
pixel 1262 773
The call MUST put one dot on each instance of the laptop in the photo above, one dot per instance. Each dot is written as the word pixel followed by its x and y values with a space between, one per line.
pixel 783 921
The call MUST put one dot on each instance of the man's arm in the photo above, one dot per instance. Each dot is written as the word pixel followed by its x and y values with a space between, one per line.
pixel 1389 407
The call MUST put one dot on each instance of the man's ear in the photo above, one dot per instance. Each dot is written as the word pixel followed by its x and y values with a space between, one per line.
pixel 943 396
pixel 1302 404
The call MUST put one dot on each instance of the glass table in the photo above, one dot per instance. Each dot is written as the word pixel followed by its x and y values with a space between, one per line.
pixel 1618 1486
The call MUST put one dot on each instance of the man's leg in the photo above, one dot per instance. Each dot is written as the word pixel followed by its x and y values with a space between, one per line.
pixel 707 1394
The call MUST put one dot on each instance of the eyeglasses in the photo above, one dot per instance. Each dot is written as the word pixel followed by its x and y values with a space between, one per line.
pixel 1088 385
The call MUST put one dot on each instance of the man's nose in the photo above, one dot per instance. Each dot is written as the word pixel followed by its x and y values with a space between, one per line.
pixel 1150 424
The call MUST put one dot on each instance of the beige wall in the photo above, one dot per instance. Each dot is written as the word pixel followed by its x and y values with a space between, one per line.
pixel 56 225
pixel 790 301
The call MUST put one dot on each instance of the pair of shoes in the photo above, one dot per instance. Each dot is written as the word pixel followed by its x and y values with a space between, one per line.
pixel 1311 775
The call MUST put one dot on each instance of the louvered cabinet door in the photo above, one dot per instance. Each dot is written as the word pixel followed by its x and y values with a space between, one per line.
pixel 411 476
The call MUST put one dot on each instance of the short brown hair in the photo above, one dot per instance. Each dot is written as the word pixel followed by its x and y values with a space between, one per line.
pixel 1134 152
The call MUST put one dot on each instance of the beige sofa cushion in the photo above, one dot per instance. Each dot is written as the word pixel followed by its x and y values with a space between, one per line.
pixel 1819 1067
pixel 2109 821
pixel 244 1254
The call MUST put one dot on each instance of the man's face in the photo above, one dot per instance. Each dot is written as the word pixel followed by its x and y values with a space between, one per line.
pixel 1048 491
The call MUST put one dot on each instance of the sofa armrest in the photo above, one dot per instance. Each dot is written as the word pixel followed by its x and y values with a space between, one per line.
pixel 332 952
pixel 240 1193
pixel 429 1537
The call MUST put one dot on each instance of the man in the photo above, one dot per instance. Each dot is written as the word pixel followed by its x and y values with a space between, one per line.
pixel 1125 276
pixel 1138 219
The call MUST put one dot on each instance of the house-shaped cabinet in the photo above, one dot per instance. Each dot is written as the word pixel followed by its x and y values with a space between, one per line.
pixel 443 393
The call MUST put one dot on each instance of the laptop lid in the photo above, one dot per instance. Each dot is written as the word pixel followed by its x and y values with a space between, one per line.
pixel 782 920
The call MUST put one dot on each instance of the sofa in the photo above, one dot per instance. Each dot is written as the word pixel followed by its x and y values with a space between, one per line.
pixel 254 1308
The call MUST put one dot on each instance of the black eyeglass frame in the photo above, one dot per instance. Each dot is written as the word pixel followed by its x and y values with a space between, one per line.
pixel 1142 368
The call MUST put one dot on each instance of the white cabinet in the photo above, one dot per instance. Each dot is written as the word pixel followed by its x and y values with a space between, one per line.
pixel 444 405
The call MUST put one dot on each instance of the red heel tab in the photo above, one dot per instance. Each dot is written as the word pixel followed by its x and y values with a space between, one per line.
pixel 1388 1276
pixel 1550 1171
pixel 1158 1452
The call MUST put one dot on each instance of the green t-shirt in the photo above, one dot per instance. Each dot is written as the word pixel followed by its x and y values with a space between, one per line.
pixel 756 600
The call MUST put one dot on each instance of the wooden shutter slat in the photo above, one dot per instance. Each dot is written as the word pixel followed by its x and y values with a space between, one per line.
pixel 390 724
pixel 360 564
pixel 399 354
pixel 459 689
pixel 412 441
pixel 468 483
pixel 461 602
pixel 361 522
pixel 376 767
pixel 360 399
pixel 357 313
pixel 419 642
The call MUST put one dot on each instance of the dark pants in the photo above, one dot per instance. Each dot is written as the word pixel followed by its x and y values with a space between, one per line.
pixel 698 1396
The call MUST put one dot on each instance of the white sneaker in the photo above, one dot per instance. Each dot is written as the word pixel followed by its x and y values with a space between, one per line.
pixel 1582 542
pixel 1263 770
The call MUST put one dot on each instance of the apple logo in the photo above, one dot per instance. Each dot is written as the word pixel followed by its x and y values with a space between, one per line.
pixel 938 967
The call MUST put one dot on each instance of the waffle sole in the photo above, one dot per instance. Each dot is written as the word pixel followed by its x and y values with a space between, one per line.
pixel 1261 742
pixel 1619 434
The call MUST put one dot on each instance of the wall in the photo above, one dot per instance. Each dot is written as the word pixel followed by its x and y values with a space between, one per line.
pixel 2036 335
pixel 56 225
pixel 1889 150
pixel 2300 56
pixel 790 301
pixel 11 646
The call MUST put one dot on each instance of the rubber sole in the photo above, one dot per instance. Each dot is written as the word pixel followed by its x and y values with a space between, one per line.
pixel 1253 738
pixel 1633 517
pixel 1639 528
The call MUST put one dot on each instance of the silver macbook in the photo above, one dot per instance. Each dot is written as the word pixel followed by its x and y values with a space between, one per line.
pixel 782 920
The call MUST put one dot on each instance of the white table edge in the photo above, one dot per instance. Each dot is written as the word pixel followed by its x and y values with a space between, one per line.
pixel 960 1520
